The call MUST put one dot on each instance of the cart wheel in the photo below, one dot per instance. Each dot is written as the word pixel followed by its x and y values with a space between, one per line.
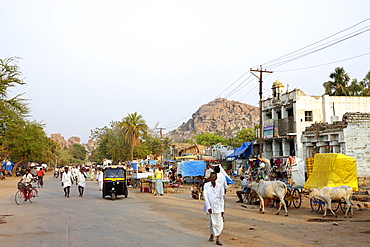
pixel 316 207
pixel 343 207
pixel 113 196
pixel 335 206
pixel 297 199
pixel 288 193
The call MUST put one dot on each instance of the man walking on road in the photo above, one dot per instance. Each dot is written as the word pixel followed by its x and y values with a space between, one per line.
pixel 213 195
pixel 40 177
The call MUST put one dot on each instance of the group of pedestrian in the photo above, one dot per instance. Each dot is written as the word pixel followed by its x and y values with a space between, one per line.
pixel 78 176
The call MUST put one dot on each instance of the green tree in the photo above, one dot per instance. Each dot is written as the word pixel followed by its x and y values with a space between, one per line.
pixel 112 144
pixel 134 127
pixel 12 109
pixel 78 152
pixel 338 86
pixel 209 139
pixel 366 85
pixel 27 143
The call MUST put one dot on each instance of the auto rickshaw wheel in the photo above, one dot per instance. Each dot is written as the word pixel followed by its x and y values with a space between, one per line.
pixel 113 196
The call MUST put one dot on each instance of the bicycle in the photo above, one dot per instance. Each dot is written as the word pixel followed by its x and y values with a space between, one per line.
pixel 21 195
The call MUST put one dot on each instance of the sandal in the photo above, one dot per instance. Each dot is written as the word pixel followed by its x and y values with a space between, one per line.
pixel 218 243
pixel 210 239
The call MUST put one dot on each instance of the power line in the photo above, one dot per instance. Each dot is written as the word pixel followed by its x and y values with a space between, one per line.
pixel 232 84
pixel 319 49
pixel 290 57
pixel 316 42
pixel 315 66
pixel 249 92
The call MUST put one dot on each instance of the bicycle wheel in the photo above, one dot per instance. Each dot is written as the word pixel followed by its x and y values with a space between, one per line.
pixel 315 206
pixel 297 199
pixel 245 198
pixel 33 195
pixel 335 205
pixel 253 199
pixel 19 197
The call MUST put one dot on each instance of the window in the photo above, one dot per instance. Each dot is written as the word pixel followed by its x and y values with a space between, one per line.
pixel 308 116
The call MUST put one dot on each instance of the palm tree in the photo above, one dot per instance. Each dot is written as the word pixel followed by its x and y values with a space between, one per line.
pixel 134 126
pixel 366 83
pixel 339 84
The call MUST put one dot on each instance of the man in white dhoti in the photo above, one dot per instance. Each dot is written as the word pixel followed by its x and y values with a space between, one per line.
pixel 100 178
pixel 213 195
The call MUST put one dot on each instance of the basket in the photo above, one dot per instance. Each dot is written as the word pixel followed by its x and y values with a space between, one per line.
pixel 21 186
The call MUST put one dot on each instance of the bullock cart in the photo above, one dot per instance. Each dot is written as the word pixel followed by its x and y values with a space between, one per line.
pixel 332 171
pixel 317 205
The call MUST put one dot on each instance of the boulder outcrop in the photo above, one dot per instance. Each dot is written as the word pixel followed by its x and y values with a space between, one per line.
pixel 218 116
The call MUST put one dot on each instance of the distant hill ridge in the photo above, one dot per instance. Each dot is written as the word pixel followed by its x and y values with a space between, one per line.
pixel 218 116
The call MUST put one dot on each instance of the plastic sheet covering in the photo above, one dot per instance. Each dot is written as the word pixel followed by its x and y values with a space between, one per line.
pixel 333 170
pixel 193 168
pixel 298 178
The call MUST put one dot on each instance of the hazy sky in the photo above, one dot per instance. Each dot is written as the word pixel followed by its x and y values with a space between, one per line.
pixel 87 63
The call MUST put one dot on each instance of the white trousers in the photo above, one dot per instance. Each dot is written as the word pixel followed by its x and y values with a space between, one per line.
pixel 215 224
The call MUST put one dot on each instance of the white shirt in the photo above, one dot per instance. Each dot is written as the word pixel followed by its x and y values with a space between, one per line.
pixel 27 178
pixel 221 179
pixel 81 180
pixel 100 176
pixel 213 197
pixel 245 184
pixel 66 179
pixel 208 173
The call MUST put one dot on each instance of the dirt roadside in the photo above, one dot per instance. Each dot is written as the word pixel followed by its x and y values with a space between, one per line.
pixel 245 226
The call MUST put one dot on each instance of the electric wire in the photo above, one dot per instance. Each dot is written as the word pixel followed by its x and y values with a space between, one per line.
pixel 279 58
pixel 290 57
pixel 315 66
pixel 318 49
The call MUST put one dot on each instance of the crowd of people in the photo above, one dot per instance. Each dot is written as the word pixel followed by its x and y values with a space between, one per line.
pixel 213 186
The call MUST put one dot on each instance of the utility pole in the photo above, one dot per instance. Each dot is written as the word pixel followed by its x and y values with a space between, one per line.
pixel 160 133
pixel 261 127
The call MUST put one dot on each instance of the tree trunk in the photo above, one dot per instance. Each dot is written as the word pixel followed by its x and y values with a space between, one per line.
pixel 5 154
pixel 16 165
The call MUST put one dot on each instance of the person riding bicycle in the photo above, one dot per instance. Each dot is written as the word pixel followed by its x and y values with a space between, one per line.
pixel 27 180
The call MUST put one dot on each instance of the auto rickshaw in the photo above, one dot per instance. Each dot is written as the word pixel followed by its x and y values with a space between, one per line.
pixel 114 182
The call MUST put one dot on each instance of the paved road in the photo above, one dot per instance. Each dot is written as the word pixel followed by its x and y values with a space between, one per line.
pixel 54 220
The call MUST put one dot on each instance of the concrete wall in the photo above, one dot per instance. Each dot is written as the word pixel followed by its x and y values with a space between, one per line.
pixel 357 145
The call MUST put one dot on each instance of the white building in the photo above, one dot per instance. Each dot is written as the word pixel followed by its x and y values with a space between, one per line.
pixel 350 136
pixel 287 114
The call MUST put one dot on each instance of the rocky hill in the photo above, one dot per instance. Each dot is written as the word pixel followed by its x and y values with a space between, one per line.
pixel 218 116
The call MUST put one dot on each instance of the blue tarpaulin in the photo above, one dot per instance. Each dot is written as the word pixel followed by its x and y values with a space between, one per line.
pixel 243 152
pixel 193 168
pixel 8 166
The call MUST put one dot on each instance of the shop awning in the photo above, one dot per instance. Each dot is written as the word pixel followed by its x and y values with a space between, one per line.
pixel 244 151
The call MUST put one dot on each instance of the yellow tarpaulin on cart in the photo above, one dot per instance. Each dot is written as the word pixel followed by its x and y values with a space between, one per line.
pixel 333 170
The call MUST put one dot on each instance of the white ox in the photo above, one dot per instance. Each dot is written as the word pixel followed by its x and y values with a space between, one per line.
pixel 268 190
pixel 329 194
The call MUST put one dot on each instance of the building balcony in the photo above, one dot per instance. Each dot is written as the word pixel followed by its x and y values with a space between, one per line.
pixel 286 126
